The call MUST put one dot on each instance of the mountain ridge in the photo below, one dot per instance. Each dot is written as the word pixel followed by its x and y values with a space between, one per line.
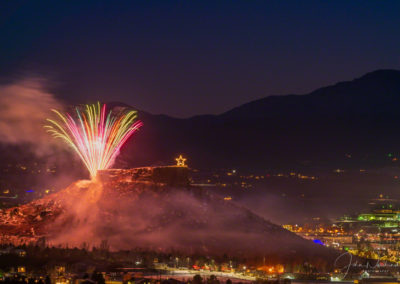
pixel 370 79
pixel 354 116
pixel 379 74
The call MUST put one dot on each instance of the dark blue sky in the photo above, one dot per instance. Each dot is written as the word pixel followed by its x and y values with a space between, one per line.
pixel 193 57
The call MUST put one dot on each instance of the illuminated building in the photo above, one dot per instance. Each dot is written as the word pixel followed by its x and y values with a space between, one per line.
pixel 383 214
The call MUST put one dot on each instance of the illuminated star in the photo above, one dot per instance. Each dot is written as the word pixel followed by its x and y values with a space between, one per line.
pixel 180 162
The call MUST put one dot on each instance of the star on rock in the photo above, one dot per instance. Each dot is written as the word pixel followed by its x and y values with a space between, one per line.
pixel 180 161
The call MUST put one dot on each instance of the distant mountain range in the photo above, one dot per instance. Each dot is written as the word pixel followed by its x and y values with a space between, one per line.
pixel 360 118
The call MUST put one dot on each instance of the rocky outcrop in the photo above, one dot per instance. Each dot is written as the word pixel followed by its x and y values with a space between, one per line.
pixel 169 175
pixel 153 208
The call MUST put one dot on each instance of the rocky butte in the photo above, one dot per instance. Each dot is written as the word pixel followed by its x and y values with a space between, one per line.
pixel 152 208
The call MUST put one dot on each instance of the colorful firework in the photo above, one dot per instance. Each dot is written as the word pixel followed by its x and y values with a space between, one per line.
pixel 96 136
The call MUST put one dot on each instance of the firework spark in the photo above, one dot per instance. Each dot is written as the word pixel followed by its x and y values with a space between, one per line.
pixel 95 135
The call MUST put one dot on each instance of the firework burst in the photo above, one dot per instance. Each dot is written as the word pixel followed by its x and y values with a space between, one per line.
pixel 95 134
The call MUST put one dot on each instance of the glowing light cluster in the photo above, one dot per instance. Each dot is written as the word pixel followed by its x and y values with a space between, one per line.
pixel 96 135
pixel 180 161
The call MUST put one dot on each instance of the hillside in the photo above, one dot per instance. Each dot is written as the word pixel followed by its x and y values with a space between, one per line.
pixel 360 117
pixel 151 208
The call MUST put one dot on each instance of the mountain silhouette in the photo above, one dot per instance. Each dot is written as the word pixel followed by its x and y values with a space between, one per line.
pixel 360 117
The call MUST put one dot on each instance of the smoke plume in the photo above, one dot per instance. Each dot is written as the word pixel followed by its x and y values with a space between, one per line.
pixel 24 107
pixel 129 215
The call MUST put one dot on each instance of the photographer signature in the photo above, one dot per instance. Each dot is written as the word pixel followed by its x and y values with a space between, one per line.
pixel 347 267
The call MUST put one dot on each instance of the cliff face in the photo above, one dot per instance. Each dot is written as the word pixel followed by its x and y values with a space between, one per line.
pixel 157 176
pixel 153 208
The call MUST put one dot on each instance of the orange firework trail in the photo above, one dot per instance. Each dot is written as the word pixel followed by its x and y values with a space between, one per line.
pixel 96 136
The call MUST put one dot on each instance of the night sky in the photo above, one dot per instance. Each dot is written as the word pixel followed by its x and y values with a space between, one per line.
pixel 184 58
